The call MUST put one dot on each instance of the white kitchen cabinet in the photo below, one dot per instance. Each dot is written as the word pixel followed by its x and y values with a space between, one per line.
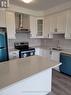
pixel 2 18
pixel 10 24
pixel 61 22
pixel 36 27
pixel 53 23
pixel 51 54
pixel 58 23
pixel 68 25
pixel 55 55
pixel 7 19
pixel 46 32
pixel 13 54
pixel 46 53
pixel 33 26
pixel 40 26
pixel 42 52
pixel 37 51
pixel 67 35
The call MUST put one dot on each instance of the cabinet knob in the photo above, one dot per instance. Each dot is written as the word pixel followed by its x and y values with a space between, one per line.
pixel 55 30
pixel 48 35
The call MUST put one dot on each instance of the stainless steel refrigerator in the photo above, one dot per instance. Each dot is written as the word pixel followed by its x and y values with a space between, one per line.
pixel 3 45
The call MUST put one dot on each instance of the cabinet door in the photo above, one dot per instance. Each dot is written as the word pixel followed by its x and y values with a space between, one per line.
pixel 68 25
pixel 46 33
pixel 61 22
pixel 53 23
pixel 46 27
pixel 40 26
pixel 55 56
pixel 10 23
pixel 14 54
pixel 2 18
pixel 33 26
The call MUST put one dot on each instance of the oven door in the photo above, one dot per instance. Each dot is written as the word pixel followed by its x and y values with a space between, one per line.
pixel 24 54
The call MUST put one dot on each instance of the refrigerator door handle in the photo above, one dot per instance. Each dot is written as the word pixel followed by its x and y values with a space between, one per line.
pixel 1 47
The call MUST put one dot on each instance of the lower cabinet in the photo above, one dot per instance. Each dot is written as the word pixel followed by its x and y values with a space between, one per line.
pixel 14 54
pixel 55 56
pixel 51 54
pixel 42 52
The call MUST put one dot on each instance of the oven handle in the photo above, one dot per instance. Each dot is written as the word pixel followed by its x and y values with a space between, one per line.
pixel 27 51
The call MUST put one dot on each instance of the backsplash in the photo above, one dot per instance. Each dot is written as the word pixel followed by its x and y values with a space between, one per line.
pixel 57 41
pixel 24 37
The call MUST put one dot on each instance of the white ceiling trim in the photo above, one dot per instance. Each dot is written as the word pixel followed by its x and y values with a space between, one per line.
pixel 24 10
pixel 55 9
pixel 59 8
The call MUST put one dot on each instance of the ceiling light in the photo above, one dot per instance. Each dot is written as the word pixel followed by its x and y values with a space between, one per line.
pixel 27 1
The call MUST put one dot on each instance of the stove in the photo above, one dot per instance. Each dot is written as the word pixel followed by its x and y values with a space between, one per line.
pixel 24 49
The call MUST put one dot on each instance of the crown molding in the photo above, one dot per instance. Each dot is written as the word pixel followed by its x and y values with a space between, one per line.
pixel 24 10
pixel 55 9
pixel 59 8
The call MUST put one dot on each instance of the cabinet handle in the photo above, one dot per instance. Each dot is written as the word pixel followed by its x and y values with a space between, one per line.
pixel 55 30
pixel 14 53
pixel 48 35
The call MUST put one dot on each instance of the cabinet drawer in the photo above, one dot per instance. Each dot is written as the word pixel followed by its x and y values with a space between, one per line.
pixel 13 54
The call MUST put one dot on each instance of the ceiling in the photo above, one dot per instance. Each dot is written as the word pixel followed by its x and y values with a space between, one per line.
pixel 39 5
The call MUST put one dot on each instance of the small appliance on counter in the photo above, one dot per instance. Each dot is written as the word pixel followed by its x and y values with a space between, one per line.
pixel 24 49
pixel 3 45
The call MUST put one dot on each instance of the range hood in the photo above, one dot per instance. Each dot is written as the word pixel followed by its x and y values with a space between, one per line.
pixel 20 27
pixel 20 20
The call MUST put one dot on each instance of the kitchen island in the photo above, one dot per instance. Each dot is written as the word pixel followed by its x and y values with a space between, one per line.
pixel 27 76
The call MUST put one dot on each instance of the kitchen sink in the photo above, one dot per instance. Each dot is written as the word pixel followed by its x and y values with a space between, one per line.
pixel 59 49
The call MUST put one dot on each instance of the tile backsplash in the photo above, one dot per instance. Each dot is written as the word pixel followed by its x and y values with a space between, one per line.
pixel 57 41
pixel 24 37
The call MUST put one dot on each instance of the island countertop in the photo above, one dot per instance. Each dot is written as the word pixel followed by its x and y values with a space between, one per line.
pixel 18 69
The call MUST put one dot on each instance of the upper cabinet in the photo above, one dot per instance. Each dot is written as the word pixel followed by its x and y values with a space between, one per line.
pixel 61 22
pixel 10 24
pixel 53 23
pixel 36 26
pixel 22 22
pixel 46 32
pixel 58 23
pixel 33 26
pixel 7 19
pixel 2 18
pixel 68 25
pixel 40 26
